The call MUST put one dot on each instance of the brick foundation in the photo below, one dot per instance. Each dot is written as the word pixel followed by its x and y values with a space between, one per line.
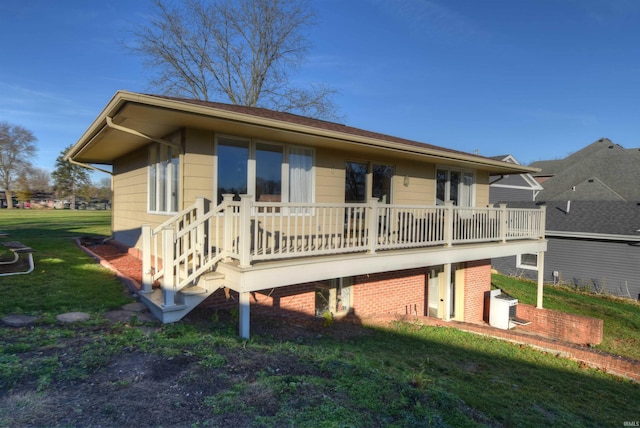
pixel 296 301
pixel 400 292
pixel 560 325
pixel 477 281
pixel 397 292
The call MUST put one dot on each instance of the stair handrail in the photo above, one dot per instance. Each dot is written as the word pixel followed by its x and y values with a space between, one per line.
pixel 152 263
pixel 208 255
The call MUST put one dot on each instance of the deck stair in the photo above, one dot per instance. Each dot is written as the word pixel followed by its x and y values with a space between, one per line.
pixel 185 300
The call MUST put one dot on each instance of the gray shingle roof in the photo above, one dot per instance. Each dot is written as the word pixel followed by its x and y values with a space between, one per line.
pixel 595 217
pixel 601 171
pixel 603 217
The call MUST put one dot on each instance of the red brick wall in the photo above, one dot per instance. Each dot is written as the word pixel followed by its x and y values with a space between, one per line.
pixel 477 281
pixel 561 325
pixel 296 301
pixel 401 292
pixel 398 292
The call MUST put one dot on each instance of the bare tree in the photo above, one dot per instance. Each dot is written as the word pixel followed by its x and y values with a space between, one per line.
pixel 16 149
pixel 240 50
pixel 33 182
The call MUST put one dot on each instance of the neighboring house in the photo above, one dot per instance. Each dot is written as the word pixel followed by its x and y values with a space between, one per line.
pixel 602 171
pixel 593 245
pixel 592 220
pixel 277 212
pixel 512 187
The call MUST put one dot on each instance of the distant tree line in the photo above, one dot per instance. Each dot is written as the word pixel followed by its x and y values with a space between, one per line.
pixel 21 181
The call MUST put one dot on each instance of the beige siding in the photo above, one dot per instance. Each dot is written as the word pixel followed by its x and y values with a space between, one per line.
pixel 421 185
pixel 482 188
pixel 130 196
pixel 197 166
pixel 329 176
pixel 413 184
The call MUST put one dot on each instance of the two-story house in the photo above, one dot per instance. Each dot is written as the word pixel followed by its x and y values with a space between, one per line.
pixel 278 212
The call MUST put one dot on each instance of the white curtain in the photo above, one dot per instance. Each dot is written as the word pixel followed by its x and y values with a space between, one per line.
pixel 300 176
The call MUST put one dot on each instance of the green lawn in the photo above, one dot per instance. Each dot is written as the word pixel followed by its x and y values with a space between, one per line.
pixel 65 278
pixel 621 317
pixel 332 376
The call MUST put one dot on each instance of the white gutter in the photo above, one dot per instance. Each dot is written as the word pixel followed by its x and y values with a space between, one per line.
pixel 587 235
pixel 146 137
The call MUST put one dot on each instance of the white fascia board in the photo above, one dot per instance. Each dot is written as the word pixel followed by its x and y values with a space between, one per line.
pixel 588 235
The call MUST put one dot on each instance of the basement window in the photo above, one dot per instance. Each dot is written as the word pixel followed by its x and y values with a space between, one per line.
pixel 334 296
pixel 527 261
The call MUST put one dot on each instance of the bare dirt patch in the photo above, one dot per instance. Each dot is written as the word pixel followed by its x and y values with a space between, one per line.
pixel 138 388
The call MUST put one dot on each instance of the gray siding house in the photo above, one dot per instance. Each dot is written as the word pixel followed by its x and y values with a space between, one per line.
pixel 592 245
pixel 512 187
pixel 592 220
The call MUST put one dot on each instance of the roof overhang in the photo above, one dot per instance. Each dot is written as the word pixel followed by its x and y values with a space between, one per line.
pixel 154 117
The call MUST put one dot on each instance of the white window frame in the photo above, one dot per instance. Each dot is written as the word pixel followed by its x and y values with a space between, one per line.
pixel 521 265
pixel 447 190
pixel 157 155
pixel 251 166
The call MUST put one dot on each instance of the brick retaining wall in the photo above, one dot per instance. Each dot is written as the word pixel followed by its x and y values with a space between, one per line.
pixel 608 363
pixel 571 328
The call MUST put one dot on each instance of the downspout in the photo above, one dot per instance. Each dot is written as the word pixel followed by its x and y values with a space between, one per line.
pixel 146 137
pixel 110 124
pixel 86 165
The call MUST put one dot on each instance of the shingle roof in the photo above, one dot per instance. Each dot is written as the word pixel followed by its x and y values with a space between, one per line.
pixel 314 123
pixel 595 217
pixel 601 171
pixel 604 217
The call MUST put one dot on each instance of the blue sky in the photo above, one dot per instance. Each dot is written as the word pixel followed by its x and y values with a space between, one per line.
pixel 538 79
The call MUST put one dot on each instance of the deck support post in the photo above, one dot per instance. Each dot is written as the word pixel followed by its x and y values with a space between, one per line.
pixel 168 280
pixel 147 276
pixel 244 318
pixel 447 292
pixel 540 279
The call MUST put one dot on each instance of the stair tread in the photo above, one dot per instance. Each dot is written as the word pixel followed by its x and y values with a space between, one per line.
pixel 155 298
pixel 213 275
pixel 193 290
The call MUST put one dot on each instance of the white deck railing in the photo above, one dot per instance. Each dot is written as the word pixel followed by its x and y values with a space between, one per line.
pixel 247 231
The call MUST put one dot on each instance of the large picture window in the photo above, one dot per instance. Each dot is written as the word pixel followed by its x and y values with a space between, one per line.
pixel 164 178
pixel 271 172
pixel 455 186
